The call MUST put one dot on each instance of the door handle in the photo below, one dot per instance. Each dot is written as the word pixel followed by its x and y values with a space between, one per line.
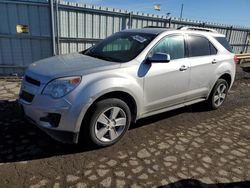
pixel 214 61
pixel 183 68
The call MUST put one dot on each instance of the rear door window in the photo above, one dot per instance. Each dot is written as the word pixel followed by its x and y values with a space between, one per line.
pixel 213 50
pixel 198 46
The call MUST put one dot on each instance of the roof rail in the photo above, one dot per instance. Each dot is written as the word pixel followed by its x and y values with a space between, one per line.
pixel 197 29
pixel 151 26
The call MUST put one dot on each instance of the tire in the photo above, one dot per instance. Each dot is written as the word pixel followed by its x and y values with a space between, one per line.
pixel 108 121
pixel 218 94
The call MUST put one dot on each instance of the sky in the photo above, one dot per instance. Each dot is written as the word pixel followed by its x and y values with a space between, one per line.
pixel 231 12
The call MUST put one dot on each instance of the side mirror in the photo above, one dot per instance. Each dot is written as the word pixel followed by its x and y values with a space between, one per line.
pixel 158 58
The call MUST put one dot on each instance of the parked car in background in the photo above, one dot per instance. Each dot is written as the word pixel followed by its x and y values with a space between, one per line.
pixel 130 75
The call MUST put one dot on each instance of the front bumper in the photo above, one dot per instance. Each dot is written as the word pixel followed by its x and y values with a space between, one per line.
pixel 60 118
pixel 61 136
pixel 34 115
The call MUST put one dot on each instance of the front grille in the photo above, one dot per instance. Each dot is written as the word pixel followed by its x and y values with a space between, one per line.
pixel 26 96
pixel 32 81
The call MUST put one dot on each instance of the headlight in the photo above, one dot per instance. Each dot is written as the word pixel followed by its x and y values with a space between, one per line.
pixel 61 86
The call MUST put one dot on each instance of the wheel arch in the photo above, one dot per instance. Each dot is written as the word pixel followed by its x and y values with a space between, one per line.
pixel 226 76
pixel 122 95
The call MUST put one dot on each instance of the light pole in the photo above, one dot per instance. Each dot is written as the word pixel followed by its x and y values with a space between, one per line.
pixel 181 11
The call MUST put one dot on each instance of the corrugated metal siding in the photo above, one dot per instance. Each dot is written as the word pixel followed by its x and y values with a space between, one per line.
pixel 19 50
pixel 92 22
pixel 80 26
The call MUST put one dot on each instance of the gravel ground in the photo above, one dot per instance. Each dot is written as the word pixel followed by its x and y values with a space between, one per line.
pixel 189 147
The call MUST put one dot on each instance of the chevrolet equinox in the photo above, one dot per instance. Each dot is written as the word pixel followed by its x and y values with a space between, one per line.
pixel 132 74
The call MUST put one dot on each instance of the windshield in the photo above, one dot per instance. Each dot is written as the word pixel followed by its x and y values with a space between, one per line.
pixel 120 47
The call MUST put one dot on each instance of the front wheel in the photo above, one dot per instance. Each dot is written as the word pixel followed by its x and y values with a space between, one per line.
pixel 109 122
pixel 218 94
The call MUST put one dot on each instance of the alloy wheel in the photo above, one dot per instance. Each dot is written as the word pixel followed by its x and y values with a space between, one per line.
pixel 220 94
pixel 110 124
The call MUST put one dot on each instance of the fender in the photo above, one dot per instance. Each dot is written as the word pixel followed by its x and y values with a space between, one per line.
pixel 98 87
pixel 223 68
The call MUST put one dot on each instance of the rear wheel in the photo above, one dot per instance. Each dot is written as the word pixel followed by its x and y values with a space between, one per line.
pixel 218 94
pixel 109 122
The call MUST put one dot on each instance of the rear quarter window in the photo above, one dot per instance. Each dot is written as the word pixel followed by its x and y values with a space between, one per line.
pixel 223 41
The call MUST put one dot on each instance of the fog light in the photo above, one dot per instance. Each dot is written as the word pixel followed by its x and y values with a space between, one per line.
pixel 52 118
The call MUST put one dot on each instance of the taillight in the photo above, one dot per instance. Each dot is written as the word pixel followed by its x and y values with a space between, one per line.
pixel 235 59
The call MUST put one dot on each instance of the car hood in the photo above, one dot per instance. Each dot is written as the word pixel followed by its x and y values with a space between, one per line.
pixel 68 65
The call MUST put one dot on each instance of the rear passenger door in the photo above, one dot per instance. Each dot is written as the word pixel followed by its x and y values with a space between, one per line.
pixel 203 62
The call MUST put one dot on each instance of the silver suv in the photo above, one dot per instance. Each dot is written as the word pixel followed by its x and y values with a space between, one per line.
pixel 97 93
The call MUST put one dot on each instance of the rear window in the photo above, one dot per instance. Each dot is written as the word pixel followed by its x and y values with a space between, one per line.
pixel 223 42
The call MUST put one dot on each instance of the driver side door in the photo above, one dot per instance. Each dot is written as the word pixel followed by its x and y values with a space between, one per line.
pixel 166 84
